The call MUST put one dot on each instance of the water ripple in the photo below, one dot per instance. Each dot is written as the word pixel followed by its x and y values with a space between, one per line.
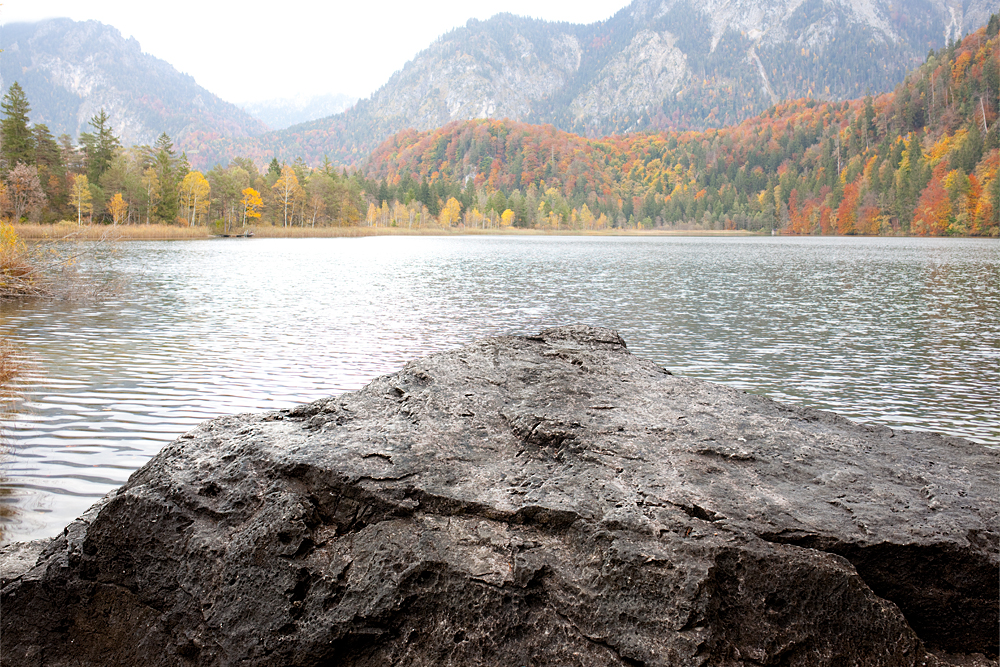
pixel 903 332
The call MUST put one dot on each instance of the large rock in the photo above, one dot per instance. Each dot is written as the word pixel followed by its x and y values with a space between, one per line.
pixel 547 500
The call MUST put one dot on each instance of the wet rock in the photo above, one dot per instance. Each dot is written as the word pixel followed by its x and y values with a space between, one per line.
pixel 543 500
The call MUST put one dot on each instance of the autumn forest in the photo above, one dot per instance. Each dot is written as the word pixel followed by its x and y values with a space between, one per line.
pixel 921 160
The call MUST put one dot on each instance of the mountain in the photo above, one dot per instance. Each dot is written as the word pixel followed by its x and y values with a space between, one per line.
pixel 924 159
pixel 285 112
pixel 70 70
pixel 657 64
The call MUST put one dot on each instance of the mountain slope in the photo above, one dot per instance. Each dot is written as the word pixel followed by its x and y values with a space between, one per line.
pixel 657 64
pixel 924 160
pixel 70 70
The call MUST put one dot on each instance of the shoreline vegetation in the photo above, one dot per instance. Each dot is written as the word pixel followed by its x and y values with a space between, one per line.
pixel 70 231
pixel 162 232
pixel 47 268
pixel 923 160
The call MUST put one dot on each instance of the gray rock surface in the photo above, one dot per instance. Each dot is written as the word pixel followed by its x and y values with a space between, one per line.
pixel 545 500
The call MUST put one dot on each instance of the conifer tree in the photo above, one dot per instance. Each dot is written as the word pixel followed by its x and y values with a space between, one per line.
pixel 99 147
pixel 165 164
pixel 18 145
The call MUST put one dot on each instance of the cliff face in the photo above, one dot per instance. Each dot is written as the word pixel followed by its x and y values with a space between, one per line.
pixel 657 64
pixel 70 70
pixel 543 500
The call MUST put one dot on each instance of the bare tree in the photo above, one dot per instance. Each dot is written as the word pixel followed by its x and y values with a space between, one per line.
pixel 24 190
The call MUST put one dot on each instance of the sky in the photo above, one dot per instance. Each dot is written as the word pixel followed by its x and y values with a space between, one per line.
pixel 286 49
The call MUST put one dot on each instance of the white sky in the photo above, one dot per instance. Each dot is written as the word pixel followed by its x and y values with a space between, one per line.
pixel 256 50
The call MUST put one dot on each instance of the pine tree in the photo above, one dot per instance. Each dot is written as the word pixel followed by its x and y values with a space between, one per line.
pixel 18 145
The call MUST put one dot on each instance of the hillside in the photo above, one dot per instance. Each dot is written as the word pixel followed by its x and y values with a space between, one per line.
pixel 922 160
pixel 70 70
pixel 655 65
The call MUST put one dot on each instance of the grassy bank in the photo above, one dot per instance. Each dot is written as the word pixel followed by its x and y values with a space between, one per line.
pixel 72 231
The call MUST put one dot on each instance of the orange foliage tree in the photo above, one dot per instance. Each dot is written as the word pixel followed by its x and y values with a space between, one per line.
pixel 847 212
pixel 933 210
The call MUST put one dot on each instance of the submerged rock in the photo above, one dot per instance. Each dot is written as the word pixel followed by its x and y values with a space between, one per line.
pixel 544 500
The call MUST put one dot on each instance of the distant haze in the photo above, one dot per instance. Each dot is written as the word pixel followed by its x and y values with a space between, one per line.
pixel 281 113
pixel 262 51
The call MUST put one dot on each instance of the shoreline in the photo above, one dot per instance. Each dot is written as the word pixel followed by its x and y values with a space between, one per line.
pixel 160 232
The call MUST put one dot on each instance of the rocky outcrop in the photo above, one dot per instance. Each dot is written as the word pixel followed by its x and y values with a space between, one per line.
pixel 543 500
pixel 70 70
pixel 655 65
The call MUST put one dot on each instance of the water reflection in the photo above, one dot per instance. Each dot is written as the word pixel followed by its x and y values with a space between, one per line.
pixel 899 331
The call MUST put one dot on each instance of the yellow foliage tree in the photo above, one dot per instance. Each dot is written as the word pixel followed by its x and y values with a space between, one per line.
pixel 286 188
pixel 507 218
pixel 82 198
pixel 252 203
pixel 451 213
pixel 118 208
pixel 195 192
pixel 151 185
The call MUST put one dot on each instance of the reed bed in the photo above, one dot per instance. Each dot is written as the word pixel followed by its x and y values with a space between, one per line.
pixel 73 232
pixel 50 268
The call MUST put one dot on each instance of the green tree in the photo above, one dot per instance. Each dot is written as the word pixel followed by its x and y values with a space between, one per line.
pixel 99 147
pixel 51 169
pixel 166 165
pixel 18 144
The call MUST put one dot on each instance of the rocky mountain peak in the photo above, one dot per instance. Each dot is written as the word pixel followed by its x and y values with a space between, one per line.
pixel 70 70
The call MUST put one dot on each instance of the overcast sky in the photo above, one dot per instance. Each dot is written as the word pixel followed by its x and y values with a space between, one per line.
pixel 256 50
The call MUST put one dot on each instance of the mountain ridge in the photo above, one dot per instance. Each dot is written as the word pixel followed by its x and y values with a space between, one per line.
pixel 654 65
pixel 71 69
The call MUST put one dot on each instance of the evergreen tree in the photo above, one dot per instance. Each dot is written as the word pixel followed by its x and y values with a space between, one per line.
pixel 99 147
pixel 165 164
pixel 18 145
pixel 51 168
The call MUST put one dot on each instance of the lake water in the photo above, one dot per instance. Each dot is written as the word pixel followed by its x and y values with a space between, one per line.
pixel 903 332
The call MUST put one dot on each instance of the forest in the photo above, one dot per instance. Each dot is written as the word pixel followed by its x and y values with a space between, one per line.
pixel 921 160
pixel 49 179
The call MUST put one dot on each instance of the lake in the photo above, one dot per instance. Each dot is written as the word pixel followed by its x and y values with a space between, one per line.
pixel 902 332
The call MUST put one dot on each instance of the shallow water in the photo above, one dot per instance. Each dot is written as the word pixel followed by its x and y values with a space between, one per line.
pixel 903 332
